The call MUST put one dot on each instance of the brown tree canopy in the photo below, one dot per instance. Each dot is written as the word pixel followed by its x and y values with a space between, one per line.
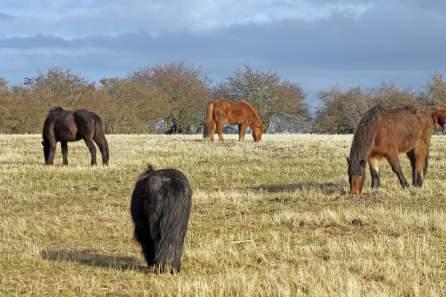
pixel 130 106
pixel 185 89
pixel 341 110
pixel 434 93
pixel 176 95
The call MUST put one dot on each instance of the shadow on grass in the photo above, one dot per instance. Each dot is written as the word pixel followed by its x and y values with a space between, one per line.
pixel 13 162
pixel 327 188
pixel 91 258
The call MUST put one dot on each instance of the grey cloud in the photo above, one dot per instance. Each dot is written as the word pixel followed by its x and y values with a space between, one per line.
pixel 391 42
pixel 5 17
pixel 33 42
pixel 83 18
pixel 434 5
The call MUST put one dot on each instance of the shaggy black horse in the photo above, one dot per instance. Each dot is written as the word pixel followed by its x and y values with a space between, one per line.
pixel 66 125
pixel 160 208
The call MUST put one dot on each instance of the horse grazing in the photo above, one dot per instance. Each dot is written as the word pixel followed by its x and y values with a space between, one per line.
pixel 439 118
pixel 239 113
pixel 66 125
pixel 160 208
pixel 387 133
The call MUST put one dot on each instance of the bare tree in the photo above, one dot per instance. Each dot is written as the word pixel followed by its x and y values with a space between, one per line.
pixel 388 95
pixel 61 87
pixel 267 92
pixel 435 91
pixel 185 88
pixel 129 105
pixel 3 85
pixel 341 110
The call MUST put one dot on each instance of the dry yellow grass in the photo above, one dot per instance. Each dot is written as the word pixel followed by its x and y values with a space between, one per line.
pixel 273 219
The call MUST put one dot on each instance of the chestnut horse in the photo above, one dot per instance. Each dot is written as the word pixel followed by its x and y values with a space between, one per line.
pixel 439 118
pixel 385 133
pixel 239 113
pixel 67 125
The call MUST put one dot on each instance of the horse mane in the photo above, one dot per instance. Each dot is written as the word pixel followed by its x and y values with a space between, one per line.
pixel 253 110
pixel 364 134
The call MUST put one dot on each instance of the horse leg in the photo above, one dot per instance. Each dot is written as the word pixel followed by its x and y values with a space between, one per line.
pixel 420 166
pixel 374 172
pixel 396 168
pixel 212 128
pixel 52 151
pixel 220 126
pixel 92 149
pixel 103 148
pixel 412 157
pixel 241 132
pixel 64 152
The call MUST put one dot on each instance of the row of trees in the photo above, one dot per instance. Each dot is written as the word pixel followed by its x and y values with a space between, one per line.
pixel 341 110
pixel 173 98
pixel 165 97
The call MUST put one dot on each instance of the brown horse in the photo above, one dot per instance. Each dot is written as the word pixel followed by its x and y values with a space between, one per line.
pixel 239 113
pixel 387 133
pixel 439 118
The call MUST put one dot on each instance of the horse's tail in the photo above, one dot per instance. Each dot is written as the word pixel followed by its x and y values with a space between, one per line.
pixel 101 140
pixel 426 164
pixel 208 120
pixel 55 108
pixel 150 168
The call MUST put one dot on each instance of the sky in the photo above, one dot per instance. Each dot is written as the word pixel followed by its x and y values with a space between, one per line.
pixel 318 44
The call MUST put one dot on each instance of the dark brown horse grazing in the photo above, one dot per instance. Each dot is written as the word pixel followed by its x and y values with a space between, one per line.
pixel 239 113
pixel 387 133
pixel 66 125
pixel 439 118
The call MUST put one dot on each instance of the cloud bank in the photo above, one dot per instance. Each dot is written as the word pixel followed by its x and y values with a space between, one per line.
pixel 319 44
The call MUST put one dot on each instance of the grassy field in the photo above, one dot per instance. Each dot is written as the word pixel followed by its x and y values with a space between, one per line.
pixel 273 219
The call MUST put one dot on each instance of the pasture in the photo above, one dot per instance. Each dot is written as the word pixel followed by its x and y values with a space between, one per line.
pixel 267 219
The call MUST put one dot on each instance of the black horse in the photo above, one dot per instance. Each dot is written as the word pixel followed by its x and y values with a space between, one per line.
pixel 66 125
pixel 160 209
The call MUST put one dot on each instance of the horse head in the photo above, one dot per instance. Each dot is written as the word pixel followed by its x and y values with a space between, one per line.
pixel 46 150
pixel 356 175
pixel 257 131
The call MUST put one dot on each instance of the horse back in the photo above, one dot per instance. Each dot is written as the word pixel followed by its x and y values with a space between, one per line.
pixel 402 130
pixel 233 112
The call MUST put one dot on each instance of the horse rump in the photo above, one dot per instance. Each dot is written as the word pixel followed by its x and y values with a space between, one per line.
pixel 160 208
